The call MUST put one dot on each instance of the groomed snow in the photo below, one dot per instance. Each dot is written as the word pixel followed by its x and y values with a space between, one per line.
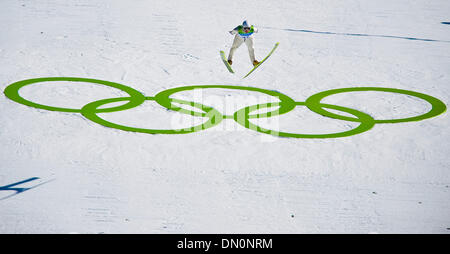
pixel 393 178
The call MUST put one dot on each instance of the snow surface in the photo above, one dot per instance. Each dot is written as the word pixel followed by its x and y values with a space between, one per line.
pixel 393 178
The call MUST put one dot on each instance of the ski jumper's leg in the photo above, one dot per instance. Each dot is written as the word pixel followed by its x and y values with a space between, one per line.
pixel 251 51
pixel 236 43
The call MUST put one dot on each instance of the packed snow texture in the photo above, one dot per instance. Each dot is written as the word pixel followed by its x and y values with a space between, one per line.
pixel 393 178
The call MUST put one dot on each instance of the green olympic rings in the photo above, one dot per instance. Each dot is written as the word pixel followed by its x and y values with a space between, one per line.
pixel 367 122
pixel 12 92
pixel 286 103
pixel 89 111
pixel 437 106
pixel 241 116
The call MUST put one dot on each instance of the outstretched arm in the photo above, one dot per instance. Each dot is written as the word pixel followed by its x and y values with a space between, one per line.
pixel 235 30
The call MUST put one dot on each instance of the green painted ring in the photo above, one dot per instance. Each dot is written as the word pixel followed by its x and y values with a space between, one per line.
pixel 286 102
pixel 90 112
pixel 12 92
pixel 367 122
pixel 314 104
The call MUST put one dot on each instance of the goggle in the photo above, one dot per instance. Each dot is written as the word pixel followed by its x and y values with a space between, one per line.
pixel 246 28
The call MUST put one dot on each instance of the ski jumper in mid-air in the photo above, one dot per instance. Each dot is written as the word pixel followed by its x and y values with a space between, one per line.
pixel 243 33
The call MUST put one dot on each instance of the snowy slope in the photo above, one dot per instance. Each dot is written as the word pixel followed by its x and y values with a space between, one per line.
pixel 393 178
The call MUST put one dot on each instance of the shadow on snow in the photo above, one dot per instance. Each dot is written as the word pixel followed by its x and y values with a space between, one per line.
pixel 358 34
pixel 19 190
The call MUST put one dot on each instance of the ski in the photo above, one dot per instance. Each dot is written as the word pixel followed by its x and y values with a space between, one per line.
pixel 224 59
pixel 270 53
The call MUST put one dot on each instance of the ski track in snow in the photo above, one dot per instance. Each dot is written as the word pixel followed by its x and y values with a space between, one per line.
pixel 91 179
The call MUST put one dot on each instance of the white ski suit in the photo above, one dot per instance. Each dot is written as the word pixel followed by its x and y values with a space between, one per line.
pixel 241 37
